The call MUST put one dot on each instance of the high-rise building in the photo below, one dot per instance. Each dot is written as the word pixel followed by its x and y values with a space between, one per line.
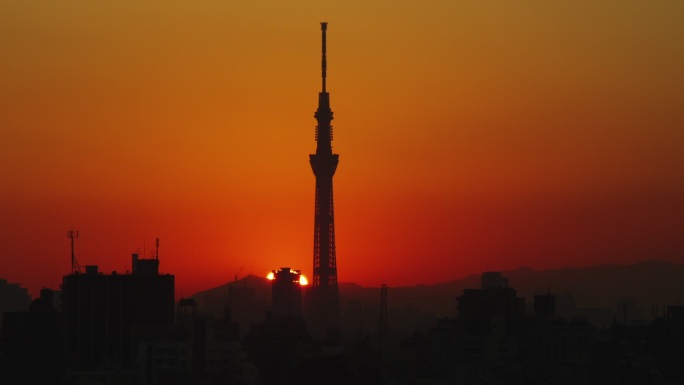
pixel 325 311
pixel 101 312
pixel 494 300
pixel 287 293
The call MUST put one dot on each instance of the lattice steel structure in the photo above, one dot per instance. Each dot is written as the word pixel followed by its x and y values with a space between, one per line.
pixel 325 295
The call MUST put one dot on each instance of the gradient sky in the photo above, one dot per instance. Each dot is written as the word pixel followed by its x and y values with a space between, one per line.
pixel 473 135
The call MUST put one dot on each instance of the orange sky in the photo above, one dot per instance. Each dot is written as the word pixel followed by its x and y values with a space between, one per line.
pixel 472 135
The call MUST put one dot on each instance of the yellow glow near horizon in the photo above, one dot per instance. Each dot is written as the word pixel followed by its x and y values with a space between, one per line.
pixel 270 276
pixel 303 281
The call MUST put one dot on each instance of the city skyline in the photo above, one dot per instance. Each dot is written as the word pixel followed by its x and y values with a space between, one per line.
pixel 475 137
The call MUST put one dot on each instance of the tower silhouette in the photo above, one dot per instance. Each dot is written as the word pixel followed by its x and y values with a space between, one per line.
pixel 325 312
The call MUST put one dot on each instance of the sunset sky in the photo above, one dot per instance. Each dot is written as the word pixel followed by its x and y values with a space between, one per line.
pixel 473 135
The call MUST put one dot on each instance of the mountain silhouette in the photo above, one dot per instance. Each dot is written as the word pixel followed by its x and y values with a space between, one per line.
pixel 648 286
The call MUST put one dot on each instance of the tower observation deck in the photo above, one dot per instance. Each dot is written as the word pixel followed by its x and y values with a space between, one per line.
pixel 325 303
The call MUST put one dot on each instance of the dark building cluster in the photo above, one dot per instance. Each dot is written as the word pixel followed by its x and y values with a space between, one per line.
pixel 493 340
pixel 129 329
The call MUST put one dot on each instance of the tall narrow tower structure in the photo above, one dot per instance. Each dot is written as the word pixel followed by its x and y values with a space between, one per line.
pixel 325 311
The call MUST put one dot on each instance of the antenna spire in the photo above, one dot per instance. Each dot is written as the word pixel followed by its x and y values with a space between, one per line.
pixel 75 267
pixel 324 62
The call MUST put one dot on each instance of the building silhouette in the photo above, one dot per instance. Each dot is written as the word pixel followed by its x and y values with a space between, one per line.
pixel 287 293
pixel 13 298
pixel 282 343
pixel 102 311
pixel 196 349
pixel 31 342
pixel 494 299
pixel 493 341
pixel 325 310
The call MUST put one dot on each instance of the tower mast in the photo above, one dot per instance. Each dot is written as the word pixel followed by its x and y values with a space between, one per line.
pixel 325 295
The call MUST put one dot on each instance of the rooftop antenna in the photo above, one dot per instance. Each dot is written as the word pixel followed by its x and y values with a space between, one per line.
pixel 75 268
pixel 238 273
pixel 156 253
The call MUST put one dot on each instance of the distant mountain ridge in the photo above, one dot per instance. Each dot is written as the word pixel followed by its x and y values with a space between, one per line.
pixel 651 284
